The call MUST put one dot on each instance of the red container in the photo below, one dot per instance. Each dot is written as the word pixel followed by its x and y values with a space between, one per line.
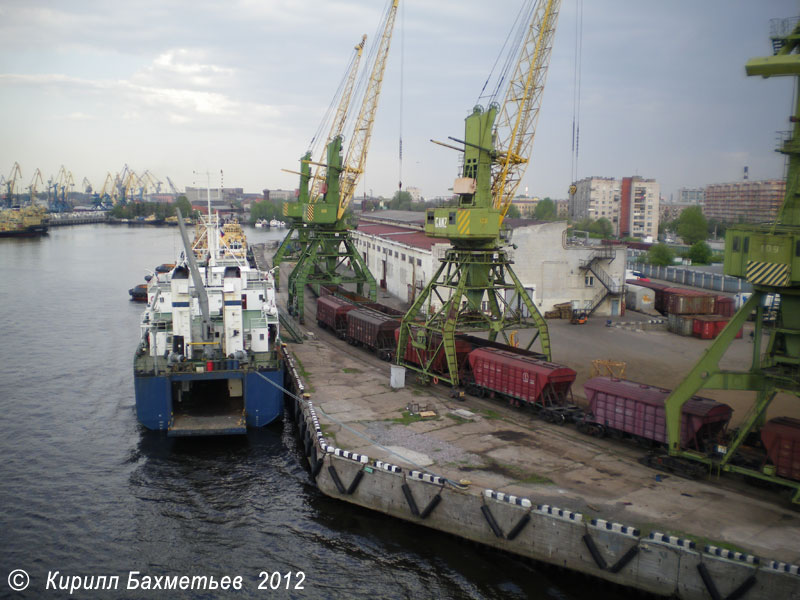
pixel 532 380
pixel 722 323
pixel 332 313
pixel 209 365
pixel 781 438
pixel 725 306
pixel 638 409
pixel 705 327
pixel 371 329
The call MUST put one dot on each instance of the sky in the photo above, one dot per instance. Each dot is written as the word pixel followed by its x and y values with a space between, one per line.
pixel 187 87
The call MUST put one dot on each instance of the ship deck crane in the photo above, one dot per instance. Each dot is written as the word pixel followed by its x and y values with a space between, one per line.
pixel 767 256
pixel 475 288
pixel 330 246
pixel 310 186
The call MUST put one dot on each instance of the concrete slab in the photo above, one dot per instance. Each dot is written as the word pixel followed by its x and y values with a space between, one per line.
pixel 509 450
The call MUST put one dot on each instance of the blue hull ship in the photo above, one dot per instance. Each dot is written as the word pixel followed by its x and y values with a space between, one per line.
pixel 209 361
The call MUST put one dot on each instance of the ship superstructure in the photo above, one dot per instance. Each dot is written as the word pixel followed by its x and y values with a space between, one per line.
pixel 208 361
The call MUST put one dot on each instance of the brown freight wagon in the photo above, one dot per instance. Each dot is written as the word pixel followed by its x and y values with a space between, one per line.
pixel 635 409
pixel 659 303
pixel 781 438
pixel 433 356
pixel 531 380
pixel 332 314
pixel 372 330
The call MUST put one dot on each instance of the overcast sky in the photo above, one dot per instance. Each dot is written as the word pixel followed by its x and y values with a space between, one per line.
pixel 184 86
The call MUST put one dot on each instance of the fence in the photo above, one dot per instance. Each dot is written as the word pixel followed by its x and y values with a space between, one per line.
pixel 691 277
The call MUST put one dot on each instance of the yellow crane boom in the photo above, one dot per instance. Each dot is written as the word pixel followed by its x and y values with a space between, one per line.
pixel 339 119
pixel 357 151
pixel 516 122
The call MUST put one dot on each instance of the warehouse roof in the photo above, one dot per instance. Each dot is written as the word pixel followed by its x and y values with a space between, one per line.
pixel 401 235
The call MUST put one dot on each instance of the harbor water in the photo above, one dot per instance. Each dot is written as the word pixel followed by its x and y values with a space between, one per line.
pixel 87 492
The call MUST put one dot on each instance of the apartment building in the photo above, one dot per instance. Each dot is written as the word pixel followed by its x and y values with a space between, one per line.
pixel 638 207
pixel 744 201
pixel 595 198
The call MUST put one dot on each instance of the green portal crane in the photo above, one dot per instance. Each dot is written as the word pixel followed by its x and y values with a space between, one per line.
pixel 768 256
pixel 292 245
pixel 328 247
pixel 475 288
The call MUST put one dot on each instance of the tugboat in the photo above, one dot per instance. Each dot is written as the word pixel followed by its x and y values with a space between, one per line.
pixel 209 361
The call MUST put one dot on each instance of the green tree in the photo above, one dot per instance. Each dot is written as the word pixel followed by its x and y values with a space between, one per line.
pixel 660 255
pixel 692 225
pixel 401 200
pixel 513 212
pixel 700 253
pixel 545 210
pixel 183 203
pixel 264 210
pixel 602 227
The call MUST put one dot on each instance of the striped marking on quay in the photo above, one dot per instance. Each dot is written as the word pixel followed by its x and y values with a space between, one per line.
pixel 426 477
pixel 783 567
pixel 559 512
pixel 672 540
pixel 730 554
pixel 388 467
pixel 362 458
pixel 615 527
pixel 501 497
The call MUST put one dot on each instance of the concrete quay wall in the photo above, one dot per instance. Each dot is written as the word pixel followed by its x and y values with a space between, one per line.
pixel 655 563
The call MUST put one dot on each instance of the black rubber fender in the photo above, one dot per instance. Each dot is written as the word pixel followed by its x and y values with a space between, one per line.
pixel 354 484
pixel 317 468
pixel 742 589
pixel 709 582
pixel 624 559
pixel 431 505
pixel 487 513
pixel 336 480
pixel 412 505
pixel 517 529
pixel 595 551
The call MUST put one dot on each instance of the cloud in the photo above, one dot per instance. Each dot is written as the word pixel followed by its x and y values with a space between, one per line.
pixel 185 68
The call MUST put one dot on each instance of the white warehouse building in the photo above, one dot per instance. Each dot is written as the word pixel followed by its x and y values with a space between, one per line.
pixel 403 260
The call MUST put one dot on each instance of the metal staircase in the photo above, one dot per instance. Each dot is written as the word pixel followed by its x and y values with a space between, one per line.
pixel 592 265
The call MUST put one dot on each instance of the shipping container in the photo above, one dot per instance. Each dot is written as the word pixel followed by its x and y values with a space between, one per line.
pixel 638 410
pixel 781 438
pixel 640 298
pixel 373 330
pixel 521 377
pixel 332 313
pixel 680 324
pixel 726 306
pixel 689 302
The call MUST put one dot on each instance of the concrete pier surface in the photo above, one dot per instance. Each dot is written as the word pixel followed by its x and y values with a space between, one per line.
pixel 484 453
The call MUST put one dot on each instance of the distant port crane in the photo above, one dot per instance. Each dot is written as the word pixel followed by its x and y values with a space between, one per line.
pixel 475 288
